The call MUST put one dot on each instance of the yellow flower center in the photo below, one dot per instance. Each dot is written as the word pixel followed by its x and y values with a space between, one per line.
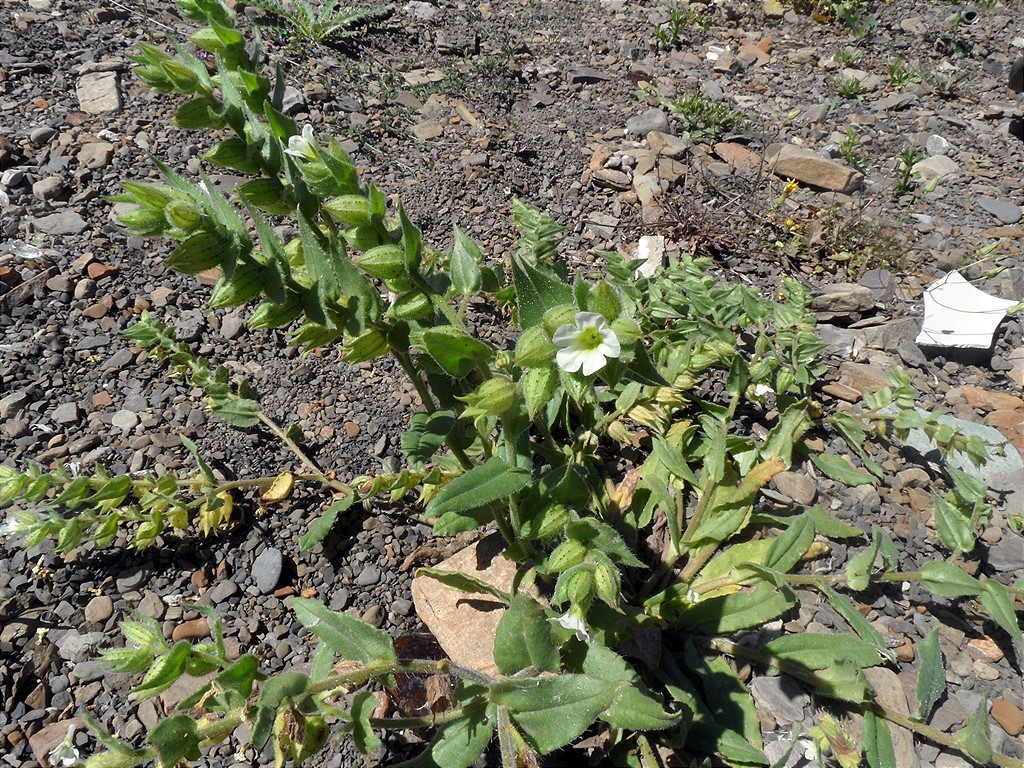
pixel 589 338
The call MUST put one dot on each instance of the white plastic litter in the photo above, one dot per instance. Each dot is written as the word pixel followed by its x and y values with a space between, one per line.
pixel 956 314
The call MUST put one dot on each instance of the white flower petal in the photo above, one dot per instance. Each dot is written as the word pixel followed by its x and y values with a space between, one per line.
pixel 565 335
pixel 570 359
pixel 592 319
pixel 573 623
pixel 593 362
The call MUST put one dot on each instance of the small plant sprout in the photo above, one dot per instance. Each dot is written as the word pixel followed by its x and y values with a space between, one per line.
pixel 586 344
pixel 850 87
pixel 906 176
pixel 845 57
pixel 900 76
pixel 848 147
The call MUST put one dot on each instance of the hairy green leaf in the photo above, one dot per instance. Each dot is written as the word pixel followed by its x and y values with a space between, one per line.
pixel 346 635
pixel 365 739
pixel 952 526
pixel 878 748
pixel 999 604
pixel 787 549
pixel 947 580
pixel 175 738
pixel 323 524
pixel 538 289
pixel 455 351
pixel 814 651
pixel 931 676
pixel 465 270
pixel 741 610
pixel 975 738
pixel 853 617
pixel 552 711
pixel 489 482
pixel 426 433
pixel 457 743
pixel 523 638
pixel 840 469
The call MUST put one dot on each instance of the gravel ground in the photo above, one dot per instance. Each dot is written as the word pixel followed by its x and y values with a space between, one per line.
pixel 459 108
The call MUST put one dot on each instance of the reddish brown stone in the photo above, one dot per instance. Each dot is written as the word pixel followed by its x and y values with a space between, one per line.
pixel 1009 716
pixel 191 630
pixel 98 271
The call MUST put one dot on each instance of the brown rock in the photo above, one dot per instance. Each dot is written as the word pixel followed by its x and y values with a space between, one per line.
pixel 465 624
pixel 1010 424
pixel 426 130
pixel 992 401
pixel 668 145
pixel 98 271
pixel 738 156
pixel 890 694
pixel 191 630
pixel 984 649
pixel 808 167
pixel 609 178
pixel 9 276
pixel 199 579
pixel 600 157
pixel 102 400
pixel 49 736
pixel 100 309
pixel 862 377
pixel 351 428
pixel 1009 716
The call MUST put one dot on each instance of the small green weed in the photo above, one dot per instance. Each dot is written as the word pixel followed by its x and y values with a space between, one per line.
pixel 850 14
pixel 671 33
pixel 845 57
pixel 906 177
pixel 322 25
pixel 704 118
pixel 848 148
pixel 900 76
pixel 850 87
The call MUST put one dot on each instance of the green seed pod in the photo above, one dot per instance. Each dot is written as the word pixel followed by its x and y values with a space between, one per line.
pixel 551 521
pixel 565 556
pixel 182 215
pixel 627 331
pixel 349 209
pixel 492 398
pixel 383 261
pixel 362 238
pixel 606 583
pixel 412 306
pixel 556 317
pixel 534 348
pixel 604 299
pixel 580 587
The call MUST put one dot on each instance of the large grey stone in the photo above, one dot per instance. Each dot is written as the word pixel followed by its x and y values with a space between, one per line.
pixel 63 223
pixel 654 119
pixel 266 569
pixel 1006 212
pixel 780 697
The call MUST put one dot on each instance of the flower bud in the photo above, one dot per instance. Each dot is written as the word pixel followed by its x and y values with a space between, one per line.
pixel 492 398
pixel 556 317
pixel 604 299
pixel 535 349
pixel 182 215
pixel 627 331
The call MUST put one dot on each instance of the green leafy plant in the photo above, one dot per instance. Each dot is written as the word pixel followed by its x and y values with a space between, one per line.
pixel 606 447
pixel 850 87
pixel 848 148
pixel 850 13
pixel 906 176
pixel 846 57
pixel 672 32
pixel 900 76
pixel 317 25
pixel 705 119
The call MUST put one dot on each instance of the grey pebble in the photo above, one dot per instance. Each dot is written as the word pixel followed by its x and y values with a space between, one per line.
pixel 653 119
pixel 782 697
pixel 220 592
pixel 1006 212
pixel 266 569
pixel 63 223
pixel 125 420
pixel 66 414
pixel 132 579
pixel 368 576
pixel 74 646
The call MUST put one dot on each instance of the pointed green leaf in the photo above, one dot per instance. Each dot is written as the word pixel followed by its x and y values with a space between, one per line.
pixel 238 411
pixel 999 605
pixel 931 676
pixel 787 549
pixel 457 743
pixel 814 651
pixel 840 469
pixel 465 269
pixel 346 635
pixel 523 638
pixel 463 582
pixel 323 524
pixel 538 289
pixel 164 671
pixel 878 748
pixel 975 738
pixel 426 433
pixel 853 617
pixel 726 697
pixel 281 686
pixel 952 526
pixel 486 483
pixel 742 610
pixel 947 580
pixel 455 351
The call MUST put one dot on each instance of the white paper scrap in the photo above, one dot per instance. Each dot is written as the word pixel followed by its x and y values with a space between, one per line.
pixel 956 314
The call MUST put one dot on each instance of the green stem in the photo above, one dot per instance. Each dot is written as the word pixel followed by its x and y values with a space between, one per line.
pixel 304 459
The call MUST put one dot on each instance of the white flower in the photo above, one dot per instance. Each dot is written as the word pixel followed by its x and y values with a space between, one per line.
pixel 303 146
pixel 760 390
pixel 811 751
pixel 9 528
pixel 65 753
pixel 692 596
pixel 585 345
pixel 573 622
